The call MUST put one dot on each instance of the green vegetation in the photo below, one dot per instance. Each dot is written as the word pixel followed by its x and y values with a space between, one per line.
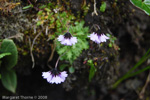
pixel 92 69
pixel 60 22
pixel 144 5
pixel 112 40
pixel 131 72
pixel 8 58
pixel 7 47
pixel 103 7
pixel 72 52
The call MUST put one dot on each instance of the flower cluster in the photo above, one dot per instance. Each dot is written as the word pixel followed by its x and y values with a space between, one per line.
pixel 68 39
pixel 54 76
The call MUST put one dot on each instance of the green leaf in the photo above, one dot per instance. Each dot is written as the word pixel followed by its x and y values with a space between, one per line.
pixel 9 80
pixel 131 72
pixel 92 70
pixel 144 5
pixel 11 60
pixel 110 45
pixel 62 50
pixel 139 71
pixel 71 69
pixel 63 66
pixel 47 9
pixel 42 7
pixel 108 35
pixel 4 54
pixel 103 7
pixel 40 12
pixel 38 23
pixel 69 55
pixel 27 7
pixel 50 4
pixel 80 33
pixel 84 44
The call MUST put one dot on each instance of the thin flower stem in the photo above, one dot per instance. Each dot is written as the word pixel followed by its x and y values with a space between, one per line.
pixel 59 59
pixel 69 28
pixel 57 62
pixel 94 26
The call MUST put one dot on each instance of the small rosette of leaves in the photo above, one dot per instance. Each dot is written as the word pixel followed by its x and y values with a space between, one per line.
pixel 72 52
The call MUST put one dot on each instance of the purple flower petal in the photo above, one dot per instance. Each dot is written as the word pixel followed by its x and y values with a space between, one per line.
pixel 49 78
pixel 55 78
pixel 45 74
pixel 63 75
pixel 67 39
pixel 103 38
pixel 98 38
pixel 66 42
pixel 73 40
pixel 94 37
pixel 61 38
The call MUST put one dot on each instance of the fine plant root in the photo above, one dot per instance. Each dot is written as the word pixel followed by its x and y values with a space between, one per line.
pixel 31 47
pixel 53 46
pixel 141 94
pixel 95 11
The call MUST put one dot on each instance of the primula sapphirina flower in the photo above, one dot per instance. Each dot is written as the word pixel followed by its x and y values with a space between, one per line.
pixel 67 39
pixel 55 76
pixel 98 38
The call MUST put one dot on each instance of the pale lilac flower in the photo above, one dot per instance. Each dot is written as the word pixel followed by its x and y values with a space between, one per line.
pixel 98 38
pixel 55 76
pixel 67 39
